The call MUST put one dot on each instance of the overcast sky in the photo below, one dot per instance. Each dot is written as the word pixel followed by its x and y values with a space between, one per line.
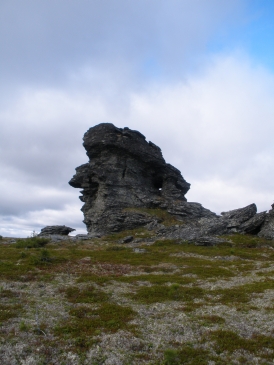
pixel 196 77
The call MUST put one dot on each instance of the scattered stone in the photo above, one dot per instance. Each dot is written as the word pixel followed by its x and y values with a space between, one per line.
pixel 139 250
pixel 82 237
pixel 55 230
pixel 127 239
pixel 209 241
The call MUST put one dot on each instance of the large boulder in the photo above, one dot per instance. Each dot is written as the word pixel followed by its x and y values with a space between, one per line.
pixel 55 230
pixel 124 178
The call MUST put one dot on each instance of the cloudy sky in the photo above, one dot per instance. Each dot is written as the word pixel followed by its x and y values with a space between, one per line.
pixel 196 77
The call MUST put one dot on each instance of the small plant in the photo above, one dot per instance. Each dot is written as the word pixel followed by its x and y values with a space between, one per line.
pixel 33 234
pixel 44 258
pixel 31 242
pixel 23 326
pixel 23 255
pixel 171 357
pixel 161 243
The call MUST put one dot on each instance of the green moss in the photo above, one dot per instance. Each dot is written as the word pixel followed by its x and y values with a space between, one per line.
pixel 187 355
pixel 8 311
pixel 109 317
pixel 209 271
pixel 211 320
pixel 190 307
pixel 86 295
pixel 243 293
pixel 163 293
pixel 161 243
pixel 43 258
pixel 156 279
pixel 228 341
pixel 92 278
pixel 6 293
pixel 248 241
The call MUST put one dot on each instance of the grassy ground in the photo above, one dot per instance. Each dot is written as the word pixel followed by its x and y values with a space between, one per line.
pixel 167 303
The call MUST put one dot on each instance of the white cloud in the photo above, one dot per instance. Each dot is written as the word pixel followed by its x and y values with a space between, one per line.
pixel 216 126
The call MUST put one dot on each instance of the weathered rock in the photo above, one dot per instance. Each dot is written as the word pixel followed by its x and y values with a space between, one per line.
pixel 208 226
pixel 240 215
pixel 127 239
pixel 254 224
pixel 55 230
pixel 125 176
pixel 267 230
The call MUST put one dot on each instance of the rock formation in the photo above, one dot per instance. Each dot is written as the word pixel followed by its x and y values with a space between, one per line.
pixel 125 176
pixel 127 179
pixel 55 230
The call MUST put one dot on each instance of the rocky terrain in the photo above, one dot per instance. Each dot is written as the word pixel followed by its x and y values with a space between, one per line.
pixel 127 184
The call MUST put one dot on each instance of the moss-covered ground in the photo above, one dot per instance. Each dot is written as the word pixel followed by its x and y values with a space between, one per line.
pixel 168 302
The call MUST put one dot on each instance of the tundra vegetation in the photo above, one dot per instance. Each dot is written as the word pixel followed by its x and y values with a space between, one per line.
pixel 158 302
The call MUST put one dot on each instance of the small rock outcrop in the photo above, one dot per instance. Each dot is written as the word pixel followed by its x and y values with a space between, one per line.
pixel 125 176
pixel 55 230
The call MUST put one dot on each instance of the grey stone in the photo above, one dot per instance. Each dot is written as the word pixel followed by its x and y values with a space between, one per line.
pixel 55 230
pixel 139 250
pixel 125 176
pixel 57 237
pixel 238 216
pixel 254 224
pixel 209 226
pixel 267 230
pixel 82 237
pixel 94 235
pixel 127 239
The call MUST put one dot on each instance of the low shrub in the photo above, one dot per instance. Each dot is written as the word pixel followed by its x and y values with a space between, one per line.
pixel 32 242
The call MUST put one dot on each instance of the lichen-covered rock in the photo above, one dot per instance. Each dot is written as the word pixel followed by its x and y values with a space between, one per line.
pixel 55 230
pixel 124 175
